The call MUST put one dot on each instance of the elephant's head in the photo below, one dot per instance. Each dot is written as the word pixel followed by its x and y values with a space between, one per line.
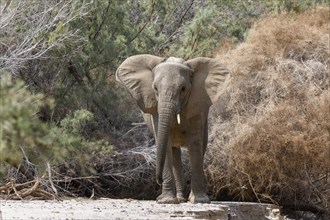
pixel 168 86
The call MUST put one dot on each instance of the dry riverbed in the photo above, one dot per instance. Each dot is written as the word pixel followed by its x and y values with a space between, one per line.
pixel 132 209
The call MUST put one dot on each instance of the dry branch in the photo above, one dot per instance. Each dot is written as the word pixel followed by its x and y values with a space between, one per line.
pixel 36 42
pixel 31 190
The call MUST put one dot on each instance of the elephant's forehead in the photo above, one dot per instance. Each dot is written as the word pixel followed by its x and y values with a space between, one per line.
pixel 175 60
pixel 171 68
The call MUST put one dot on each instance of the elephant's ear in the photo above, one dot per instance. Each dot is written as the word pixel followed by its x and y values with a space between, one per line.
pixel 209 80
pixel 137 76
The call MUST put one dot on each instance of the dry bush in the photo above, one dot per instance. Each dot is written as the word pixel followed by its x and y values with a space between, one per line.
pixel 270 131
pixel 130 174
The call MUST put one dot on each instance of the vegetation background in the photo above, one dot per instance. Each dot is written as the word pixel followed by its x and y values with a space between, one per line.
pixel 68 129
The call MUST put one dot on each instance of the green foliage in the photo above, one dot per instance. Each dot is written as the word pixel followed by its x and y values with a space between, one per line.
pixel 22 134
pixel 75 124
pixel 108 35
pixel 199 34
pixel 20 129
pixel 69 136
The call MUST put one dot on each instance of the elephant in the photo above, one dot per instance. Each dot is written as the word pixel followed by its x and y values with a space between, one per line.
pixel 175 96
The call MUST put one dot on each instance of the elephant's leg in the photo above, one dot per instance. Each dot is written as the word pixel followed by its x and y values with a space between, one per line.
pixel 178 174
pixel 168 186
pixel 196 156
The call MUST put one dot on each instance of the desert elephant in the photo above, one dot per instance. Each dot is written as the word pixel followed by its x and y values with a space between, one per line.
pixel 175 96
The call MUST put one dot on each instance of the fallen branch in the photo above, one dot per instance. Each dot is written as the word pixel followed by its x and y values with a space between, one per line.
pixel 21 191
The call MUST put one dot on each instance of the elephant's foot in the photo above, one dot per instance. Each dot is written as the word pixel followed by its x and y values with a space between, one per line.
pixel 199 198
pixel 167 198
pixel 181 198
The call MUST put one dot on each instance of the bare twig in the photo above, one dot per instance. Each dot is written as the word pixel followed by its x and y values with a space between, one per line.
pixel 50 179
pixel 70 179
pixel 140 31
pixel 250 183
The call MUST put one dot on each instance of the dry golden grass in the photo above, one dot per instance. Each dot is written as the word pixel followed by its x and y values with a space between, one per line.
pixel 270 131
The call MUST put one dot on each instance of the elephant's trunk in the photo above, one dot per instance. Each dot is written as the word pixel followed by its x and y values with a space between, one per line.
pixel 166 114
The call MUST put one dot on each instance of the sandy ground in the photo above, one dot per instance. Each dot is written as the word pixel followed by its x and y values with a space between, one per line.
pixel 108 209
pixel 134 209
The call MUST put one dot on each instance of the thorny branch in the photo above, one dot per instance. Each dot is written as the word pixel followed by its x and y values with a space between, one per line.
pixel 41 35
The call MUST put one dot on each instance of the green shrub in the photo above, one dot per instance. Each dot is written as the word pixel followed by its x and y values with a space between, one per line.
pixel 24 135
pixel 20 128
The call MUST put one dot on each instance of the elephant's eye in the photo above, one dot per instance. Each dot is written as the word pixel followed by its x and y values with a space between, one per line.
pixel 155 88
pixel 183 89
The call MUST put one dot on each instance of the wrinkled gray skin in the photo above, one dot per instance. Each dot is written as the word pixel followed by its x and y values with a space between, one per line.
pixel 163 89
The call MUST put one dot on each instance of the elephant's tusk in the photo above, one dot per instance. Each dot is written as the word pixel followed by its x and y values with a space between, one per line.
pixel 178 118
